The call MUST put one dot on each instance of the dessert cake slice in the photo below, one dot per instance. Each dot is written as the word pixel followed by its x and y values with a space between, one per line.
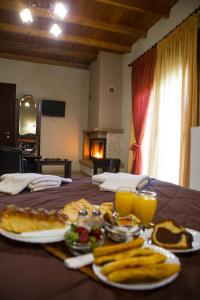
pixel 168 234
pixel 17 219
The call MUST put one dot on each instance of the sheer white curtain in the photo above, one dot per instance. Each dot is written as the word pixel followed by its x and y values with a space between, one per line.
pixel 166 154
pixel 173 106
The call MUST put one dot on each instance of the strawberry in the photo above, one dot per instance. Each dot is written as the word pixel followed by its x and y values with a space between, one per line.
pixel 81 229
pixel 96 233
pixel 84 237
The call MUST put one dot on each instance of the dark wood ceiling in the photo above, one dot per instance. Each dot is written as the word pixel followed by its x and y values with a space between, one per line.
pixel 89 26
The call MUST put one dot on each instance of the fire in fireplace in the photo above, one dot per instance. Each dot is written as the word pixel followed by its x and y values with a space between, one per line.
pixel 97 148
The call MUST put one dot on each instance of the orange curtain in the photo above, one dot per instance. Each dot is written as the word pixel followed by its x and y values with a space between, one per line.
pixel 142 83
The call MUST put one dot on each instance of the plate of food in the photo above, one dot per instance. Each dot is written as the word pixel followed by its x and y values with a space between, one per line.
pixel 171 236
pixel 135 265
pixel 32 225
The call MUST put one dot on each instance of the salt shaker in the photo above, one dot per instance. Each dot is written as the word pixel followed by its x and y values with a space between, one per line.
pixel 82 219
pixel 96 220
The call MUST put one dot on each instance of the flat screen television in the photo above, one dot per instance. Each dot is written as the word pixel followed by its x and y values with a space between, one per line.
pixel 53 108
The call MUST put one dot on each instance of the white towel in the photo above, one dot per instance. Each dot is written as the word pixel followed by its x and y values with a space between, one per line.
pixel 43 183
pixel 100 178
pixel 50 178
pixel 17 182
pixel 129 181
pixel 79 261
pixel 44 187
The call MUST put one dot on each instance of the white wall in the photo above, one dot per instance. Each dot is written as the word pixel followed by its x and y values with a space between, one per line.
pixel 60 137
pixel 93 103
pixel 178 13
pixel 104 110
pixel 110 76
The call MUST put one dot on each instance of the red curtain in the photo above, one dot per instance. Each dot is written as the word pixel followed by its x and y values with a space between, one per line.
pixel 142 83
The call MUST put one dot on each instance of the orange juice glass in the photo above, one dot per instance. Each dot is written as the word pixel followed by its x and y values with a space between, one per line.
pixel 144 206
pixel 124 201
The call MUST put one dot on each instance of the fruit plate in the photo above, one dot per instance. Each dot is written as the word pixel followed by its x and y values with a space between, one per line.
pixel 38 237
pixel 146 234
pixel 171 258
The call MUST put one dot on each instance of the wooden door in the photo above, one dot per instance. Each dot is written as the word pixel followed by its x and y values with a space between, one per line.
pixel 7 114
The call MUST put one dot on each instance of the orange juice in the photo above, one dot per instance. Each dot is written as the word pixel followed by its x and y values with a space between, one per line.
pixel 144 206
pixel 124 202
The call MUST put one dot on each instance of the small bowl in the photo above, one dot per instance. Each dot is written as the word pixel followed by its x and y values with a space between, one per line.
pixel 77 248
pixel 121 233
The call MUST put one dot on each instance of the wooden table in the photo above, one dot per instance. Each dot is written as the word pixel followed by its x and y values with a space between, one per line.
pixel 47 161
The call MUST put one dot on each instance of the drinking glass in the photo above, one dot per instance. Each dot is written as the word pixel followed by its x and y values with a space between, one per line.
pixel 144 207
pixel 124 201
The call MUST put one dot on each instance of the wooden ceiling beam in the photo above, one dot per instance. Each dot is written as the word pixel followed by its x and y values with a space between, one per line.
pixel 139 7
pixel 125 30
pixel 45 49
pixel 78 20
pixel 43 60
pixel 35 32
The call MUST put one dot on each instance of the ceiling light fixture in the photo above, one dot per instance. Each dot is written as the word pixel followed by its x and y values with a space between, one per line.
pixel 56 9
pixel 55 30
pixel 59 10
pixel 26 15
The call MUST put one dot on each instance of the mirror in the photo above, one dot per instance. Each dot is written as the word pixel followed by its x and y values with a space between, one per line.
pixel 28 126
pixel 27 116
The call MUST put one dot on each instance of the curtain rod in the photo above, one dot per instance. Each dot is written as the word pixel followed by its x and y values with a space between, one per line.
pixel 196 11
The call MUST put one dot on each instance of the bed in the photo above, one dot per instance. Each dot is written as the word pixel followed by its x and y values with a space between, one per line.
pixel 28 271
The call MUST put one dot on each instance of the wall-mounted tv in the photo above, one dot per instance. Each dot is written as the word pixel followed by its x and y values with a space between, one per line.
pixel 53 108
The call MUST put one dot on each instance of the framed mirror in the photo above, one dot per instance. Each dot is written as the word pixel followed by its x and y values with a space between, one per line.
pixel 28 126
pixel 27 116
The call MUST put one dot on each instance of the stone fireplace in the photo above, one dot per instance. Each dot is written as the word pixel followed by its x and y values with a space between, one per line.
pixel 100 143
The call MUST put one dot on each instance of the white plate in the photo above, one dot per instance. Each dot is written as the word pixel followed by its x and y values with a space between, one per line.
pixel 195 244
pixel 171 258
pixel 43 236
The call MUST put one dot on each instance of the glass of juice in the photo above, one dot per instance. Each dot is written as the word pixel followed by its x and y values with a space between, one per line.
pixel 124 201
pixel 144 206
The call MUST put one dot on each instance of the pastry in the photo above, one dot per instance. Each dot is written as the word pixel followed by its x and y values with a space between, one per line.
pixel 169 235
pixel 111 249
pixel 121 255
pixel 17 219
pixel 144 274
pixel 138 261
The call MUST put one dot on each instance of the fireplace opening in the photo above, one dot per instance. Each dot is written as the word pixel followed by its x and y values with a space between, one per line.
pixel 97 148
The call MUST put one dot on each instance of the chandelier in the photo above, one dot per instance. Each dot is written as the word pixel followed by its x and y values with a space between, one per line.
pixel 56 9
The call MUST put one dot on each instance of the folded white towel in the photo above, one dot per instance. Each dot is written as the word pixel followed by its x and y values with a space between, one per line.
pixel 100 178
pixel 130 181
pixel 35 189
pixel 50 178
pixel 79 261
pixel 43 184
pixel 17 182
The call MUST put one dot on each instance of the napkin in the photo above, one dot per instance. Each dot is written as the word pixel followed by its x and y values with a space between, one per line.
pixel 79 261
